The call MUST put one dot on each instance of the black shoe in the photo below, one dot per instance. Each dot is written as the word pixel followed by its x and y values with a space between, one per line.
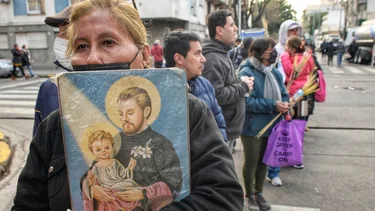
pixel 251 204
pixel 262 203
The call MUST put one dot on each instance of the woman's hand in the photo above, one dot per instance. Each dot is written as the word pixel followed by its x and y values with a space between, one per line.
pixel 130 194
pixel 282 107
pixel 101 195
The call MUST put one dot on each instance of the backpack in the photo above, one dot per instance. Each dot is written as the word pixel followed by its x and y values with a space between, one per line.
pixel 320 95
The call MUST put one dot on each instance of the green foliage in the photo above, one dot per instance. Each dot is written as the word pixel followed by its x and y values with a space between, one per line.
pixel 278 11
pixel 275 12
pixel 312 21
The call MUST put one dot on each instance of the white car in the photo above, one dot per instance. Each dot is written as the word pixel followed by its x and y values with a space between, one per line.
pixel 6 67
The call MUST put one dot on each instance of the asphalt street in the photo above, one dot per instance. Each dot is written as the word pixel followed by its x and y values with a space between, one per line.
pixel 338 150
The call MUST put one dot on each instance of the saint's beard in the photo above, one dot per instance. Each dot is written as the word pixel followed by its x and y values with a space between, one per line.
pixel 132 129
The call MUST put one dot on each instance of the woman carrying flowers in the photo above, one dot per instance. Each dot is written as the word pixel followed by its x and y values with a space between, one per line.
pixel 268 98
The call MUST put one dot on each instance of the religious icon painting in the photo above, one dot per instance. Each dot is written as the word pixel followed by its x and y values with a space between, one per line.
pixel 126 138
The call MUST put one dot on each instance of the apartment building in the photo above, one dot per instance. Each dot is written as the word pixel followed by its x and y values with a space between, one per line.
pixel 22 22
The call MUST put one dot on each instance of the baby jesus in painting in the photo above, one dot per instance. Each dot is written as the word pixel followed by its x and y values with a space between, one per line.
pixel 108 173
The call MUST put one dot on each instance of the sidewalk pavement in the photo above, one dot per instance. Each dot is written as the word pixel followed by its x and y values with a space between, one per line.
pixel 5 154
pixel 238 161
pixel 19 143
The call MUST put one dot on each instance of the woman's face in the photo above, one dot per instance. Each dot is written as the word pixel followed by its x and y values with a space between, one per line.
pixel 100 39
pixel 266 55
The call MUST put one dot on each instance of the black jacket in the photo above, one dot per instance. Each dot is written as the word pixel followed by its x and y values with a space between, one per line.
pixel 43 183
pixel 17 56
pixel 230 92
pixel 330 49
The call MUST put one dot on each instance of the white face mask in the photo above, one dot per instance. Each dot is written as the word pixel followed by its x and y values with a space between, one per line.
pixel 59 47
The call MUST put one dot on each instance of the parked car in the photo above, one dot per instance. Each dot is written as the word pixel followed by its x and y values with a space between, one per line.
pixel 5 67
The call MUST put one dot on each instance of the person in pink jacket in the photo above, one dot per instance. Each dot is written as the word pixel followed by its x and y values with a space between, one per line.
pixel 294 48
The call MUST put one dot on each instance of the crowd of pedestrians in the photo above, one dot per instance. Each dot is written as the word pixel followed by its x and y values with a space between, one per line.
pixel 242 82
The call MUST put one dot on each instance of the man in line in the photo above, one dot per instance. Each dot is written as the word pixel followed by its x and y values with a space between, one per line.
pixel 183 50
pixel 220 72
pixel 287 29
pixel 235 54
pixel 157 53
pixel 48 100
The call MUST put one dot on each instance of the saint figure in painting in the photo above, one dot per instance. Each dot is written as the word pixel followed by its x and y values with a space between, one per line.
pixel 157 172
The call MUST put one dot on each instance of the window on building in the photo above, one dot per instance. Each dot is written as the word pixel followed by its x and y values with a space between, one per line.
pixel 34 40
pixel 4 41
pixel 35 7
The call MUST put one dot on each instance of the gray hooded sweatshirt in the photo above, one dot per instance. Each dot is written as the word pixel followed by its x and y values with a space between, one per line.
pixel 230 92
pixel 283 36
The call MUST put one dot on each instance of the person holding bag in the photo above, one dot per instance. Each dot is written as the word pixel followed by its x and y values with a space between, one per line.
pixel 298 64
pixel 268 98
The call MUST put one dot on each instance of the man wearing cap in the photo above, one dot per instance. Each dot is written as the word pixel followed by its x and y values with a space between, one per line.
pixel 48 100
pixel 287 29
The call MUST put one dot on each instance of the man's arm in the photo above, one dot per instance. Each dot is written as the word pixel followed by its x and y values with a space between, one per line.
pixel 225 94
pixel 214 181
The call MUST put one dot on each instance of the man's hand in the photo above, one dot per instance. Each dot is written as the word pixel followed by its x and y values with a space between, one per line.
pixel 101 195
pixel 282 107
pixel 130 194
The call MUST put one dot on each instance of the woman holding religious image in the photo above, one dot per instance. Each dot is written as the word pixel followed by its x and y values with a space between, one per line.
pixel 268 98
pixel 107 35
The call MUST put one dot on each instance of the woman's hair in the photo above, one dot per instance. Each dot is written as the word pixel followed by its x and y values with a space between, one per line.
pixel 125 14
pixel 98 136
pixel 296 44
pixel 245 51
pixel 259 46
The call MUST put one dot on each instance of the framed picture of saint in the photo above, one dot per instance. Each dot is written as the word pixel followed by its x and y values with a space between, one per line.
pixel 126 138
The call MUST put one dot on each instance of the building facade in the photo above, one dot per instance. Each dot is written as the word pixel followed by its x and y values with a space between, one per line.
pixel 22 23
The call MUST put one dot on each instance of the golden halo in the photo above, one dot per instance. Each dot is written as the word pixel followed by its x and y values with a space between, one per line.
pixel 127 82
pixel 83 143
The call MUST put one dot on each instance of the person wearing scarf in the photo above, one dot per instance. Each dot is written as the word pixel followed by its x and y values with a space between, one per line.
pixel 268 98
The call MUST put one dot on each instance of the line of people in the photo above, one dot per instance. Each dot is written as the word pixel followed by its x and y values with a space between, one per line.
pixel 241 103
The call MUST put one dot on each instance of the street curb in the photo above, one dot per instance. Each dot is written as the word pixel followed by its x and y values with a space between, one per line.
pixel 6 154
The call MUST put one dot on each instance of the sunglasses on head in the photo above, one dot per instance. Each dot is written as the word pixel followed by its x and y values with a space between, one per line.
pixel 132 2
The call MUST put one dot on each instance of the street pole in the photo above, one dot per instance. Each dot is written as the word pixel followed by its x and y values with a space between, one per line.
pixel 340 20
pixel 239 17
pixel 313 26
